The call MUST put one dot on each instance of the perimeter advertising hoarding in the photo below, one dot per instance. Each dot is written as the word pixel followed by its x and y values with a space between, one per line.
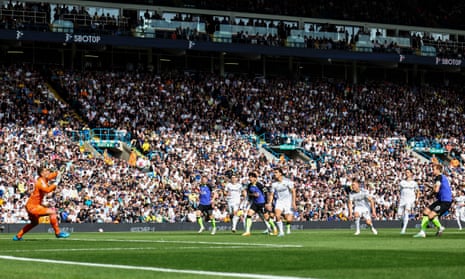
pixel 194 227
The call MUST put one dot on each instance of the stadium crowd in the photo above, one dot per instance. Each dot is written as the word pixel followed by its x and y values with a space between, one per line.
pixel 40 16
pixel 193 125
pixel 207 125
pixel 414 13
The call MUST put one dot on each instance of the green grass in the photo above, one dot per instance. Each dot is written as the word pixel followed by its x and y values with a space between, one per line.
pixel 307 254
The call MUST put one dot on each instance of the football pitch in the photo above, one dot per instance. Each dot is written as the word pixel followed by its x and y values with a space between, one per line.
pixel 330 253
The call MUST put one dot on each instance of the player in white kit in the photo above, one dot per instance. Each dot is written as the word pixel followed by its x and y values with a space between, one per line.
pixel 460 207
pixel 233 196
pixel 283 189
pixel 409 192
pixel 361 205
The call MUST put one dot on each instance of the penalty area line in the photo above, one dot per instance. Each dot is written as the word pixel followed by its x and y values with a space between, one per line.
pixel 158 269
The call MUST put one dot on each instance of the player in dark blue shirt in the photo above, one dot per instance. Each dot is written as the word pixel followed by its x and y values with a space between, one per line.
pixel 257 195
pixel 207 197
pixel 443 193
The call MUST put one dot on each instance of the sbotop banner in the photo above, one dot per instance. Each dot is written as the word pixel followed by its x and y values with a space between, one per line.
pixel 82 38
pixel 95 39
pixel 449 62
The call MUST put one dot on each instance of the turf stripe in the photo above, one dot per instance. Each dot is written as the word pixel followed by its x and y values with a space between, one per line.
pixel 157 269
pixel 115 249
pixel 191 242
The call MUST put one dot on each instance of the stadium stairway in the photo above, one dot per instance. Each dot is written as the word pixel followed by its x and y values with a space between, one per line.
pixel 269 156
pixel 89 148
pixel 422 158
pixel 425 156
pixel 75 116
pixel 122 151
pixel 294 154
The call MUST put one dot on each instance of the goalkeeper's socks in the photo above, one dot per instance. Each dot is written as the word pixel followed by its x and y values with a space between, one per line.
pixel 200 221
pixel 436 222
pixel 248 223
pixel 424 223
pixel 272 224
pixel 213 223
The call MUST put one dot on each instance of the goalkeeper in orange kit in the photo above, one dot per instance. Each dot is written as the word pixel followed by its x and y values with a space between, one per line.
pixel 34 206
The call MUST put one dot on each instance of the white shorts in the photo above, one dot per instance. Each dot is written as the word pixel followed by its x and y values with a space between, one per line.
pixel 460 213
pixel 233 206
pixel 285 206
pixel 244 205
pixel 363 211
pixel 405 206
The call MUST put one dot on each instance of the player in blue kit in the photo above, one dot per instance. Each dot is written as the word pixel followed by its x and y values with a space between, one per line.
pixel 443 193
pixel 207 197
pixel 256 193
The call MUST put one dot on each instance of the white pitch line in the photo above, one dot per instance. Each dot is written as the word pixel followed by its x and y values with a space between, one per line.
pixel 158 269
pixel 191 242
pixel 241 244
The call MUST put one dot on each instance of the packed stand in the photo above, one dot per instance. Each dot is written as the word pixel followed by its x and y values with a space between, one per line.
pixel 192 126
pixel 414 13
